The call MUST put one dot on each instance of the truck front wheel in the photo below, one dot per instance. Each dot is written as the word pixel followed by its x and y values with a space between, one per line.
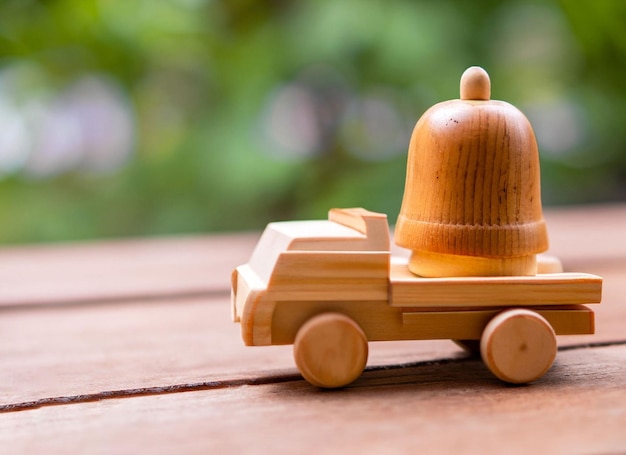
pixel 330 350
pixel 518 346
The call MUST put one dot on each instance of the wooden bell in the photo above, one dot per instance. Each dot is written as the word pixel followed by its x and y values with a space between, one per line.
pixel 472 199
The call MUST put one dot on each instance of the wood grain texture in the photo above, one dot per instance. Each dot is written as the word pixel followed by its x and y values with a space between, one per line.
pixel 285 285
pixel 431 264
pixel 469 325
pixel 442 407
pixel 559 288
pixel 117 373
pixel 330 350
pixel 69 351
pixel 472 182
pixel 518 346
pixel 78 350
pixel 588 237
pixel 120 270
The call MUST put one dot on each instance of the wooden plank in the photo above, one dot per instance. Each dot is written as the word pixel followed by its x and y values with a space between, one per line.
pixel 74 350
pixel 136 343
pixel 123 361
pixel 585 237
pixel 78 349
pixel 407 290
pixel 469 325
pixel 443 407
pixel 118 270
pixel 353 276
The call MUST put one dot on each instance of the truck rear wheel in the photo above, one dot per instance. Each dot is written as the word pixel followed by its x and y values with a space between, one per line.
pixel 518 346
pixel 330 350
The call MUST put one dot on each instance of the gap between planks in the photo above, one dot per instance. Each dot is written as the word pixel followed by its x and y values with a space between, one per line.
pixel 229 383
pixel 115 300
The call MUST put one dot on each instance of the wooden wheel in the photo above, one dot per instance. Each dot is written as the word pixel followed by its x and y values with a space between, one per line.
pixel 518 346
pixel 330 350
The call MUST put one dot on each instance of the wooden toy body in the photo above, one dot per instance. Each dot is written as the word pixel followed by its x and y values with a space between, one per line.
pixel 303 269
pixel 471 215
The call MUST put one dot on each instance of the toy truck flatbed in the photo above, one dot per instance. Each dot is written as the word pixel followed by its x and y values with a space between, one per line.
pixel 330 286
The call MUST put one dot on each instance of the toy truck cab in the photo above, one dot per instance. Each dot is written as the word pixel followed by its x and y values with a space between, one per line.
pixel 320 260
pixel 330 286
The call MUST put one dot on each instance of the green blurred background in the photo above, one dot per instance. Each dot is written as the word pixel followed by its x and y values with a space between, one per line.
pixel 138 117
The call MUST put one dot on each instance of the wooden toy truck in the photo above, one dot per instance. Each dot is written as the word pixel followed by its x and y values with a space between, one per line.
pixel 331 286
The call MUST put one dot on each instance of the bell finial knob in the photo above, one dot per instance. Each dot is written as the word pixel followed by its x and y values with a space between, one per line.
pixel 475 84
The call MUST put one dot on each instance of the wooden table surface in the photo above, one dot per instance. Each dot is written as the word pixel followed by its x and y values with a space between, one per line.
pixel 128 347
